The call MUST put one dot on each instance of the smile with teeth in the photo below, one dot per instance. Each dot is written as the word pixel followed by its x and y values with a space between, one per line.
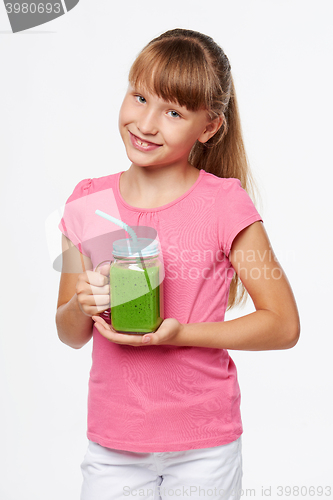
pixel 141 144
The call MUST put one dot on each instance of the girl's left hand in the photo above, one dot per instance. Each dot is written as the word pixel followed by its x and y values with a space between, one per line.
pixel 166 334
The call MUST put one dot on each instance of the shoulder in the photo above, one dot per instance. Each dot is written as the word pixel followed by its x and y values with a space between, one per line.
pixel 106 182
pixel 221 186
pixel 220 182
pixel 93 185
pixel 226 193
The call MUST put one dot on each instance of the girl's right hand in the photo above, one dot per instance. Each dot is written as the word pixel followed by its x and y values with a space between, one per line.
pixel 93 291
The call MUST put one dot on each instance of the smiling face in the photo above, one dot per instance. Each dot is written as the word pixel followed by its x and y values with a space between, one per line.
pixel 156 132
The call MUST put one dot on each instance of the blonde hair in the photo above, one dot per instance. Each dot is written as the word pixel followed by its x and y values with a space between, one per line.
pixel 189 68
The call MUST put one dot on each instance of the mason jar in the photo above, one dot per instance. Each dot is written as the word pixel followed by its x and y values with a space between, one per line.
pixel 136 286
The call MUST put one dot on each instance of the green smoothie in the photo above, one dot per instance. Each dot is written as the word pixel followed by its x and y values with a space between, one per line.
pixel 135 308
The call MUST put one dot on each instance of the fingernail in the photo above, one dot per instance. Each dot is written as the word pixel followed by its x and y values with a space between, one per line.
pixel 146 340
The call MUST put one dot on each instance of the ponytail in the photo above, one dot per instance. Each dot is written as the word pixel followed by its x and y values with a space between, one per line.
pixel 224 155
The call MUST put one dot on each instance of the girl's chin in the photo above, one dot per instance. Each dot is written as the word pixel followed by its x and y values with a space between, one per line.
pixel 141 159
pixel 149 159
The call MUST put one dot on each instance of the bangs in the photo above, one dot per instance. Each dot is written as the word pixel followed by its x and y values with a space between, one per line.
pixel 176 71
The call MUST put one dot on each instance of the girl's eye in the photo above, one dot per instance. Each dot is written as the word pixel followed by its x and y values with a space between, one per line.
pixel 174 114
pixel 140 99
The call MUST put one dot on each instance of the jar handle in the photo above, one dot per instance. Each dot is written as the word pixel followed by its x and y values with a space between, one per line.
pixel 106 314
pixel 104 262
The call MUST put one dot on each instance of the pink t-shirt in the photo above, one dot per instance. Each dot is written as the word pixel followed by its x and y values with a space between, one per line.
pixel 166 398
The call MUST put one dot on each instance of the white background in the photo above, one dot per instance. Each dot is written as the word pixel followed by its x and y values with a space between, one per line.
pixel 61 87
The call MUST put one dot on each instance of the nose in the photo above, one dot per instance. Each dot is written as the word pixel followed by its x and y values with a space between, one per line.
pixel 147 122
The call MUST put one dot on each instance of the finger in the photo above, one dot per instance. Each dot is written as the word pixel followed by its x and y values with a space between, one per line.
pixel 161 335
pixel 99 300
pixel 118 338
pixel 103 330
pixel 102 308
pixel 94 310
pixel 100 290
pixel 96 279
pixel 105 270
pixel 101 321
pixel 96 300
pixel 153 338
pixel 107 331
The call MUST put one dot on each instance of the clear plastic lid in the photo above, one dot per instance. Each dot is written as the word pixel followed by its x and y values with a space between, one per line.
pixel 129 248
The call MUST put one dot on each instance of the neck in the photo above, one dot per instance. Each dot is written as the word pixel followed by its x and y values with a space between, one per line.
pixel 153 187
pixel 161 177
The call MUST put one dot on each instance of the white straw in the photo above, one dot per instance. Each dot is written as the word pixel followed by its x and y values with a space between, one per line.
pixel 119 223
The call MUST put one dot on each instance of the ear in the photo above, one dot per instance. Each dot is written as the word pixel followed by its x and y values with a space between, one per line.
pixel 211 128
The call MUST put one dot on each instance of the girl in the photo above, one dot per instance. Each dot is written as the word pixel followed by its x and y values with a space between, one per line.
pixel 164 407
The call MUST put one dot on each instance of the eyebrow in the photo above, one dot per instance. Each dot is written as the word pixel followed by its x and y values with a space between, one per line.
pixel 142 91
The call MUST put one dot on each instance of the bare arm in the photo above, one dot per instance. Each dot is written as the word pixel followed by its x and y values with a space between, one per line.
pixel 274 325
pixel 82 293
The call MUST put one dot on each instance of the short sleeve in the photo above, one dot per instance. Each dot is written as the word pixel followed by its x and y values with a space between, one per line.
pixel 72 222
pixel 234 211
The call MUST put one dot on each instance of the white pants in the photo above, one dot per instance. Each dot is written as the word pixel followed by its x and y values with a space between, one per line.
pixel 214 473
